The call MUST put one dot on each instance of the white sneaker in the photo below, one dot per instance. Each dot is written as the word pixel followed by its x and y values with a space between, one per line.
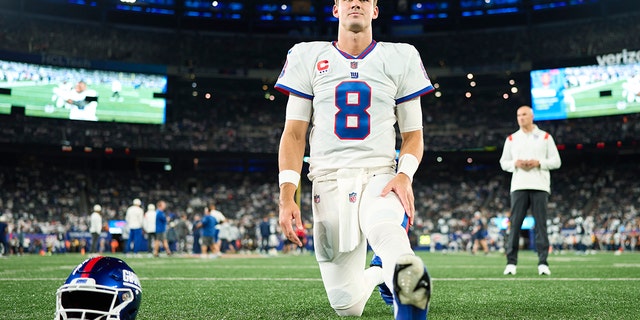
pixel 510 269
pixel 412 282
pixel 543 269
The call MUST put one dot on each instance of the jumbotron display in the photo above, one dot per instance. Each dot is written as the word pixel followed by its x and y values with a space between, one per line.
pixel 585 91
pixel 5 108
pixel 82 94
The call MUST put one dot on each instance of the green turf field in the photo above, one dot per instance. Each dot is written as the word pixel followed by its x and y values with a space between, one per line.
pixel 136 105
pixel 5 108
pixel 601 286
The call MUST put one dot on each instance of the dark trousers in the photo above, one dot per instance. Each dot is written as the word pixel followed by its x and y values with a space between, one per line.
pixel 521 200
pixel 95 238
pixel 264 244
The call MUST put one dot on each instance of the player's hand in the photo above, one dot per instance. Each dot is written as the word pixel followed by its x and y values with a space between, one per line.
pixel 401 186
pixel 288 213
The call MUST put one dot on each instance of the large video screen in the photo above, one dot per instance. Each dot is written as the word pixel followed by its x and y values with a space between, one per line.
pixel 117 226
pixel 5 108
pixel 585 91
pixel 83 94
pixel 503 223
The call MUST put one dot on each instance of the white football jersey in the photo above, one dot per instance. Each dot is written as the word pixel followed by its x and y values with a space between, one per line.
pixel 354 100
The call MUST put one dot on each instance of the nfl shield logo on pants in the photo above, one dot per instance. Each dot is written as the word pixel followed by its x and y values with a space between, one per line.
pixel 353 197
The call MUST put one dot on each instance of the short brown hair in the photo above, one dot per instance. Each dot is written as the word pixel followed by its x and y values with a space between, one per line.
pixel 375 2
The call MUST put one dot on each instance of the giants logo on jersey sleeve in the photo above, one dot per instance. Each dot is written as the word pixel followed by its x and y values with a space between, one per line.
pixel 322 66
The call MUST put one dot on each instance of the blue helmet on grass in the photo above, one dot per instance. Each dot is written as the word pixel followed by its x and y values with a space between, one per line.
pixel 100 288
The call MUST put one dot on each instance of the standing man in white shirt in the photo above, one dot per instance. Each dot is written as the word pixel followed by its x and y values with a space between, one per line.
pixel 134 218
pixel 219 216
pixel 95 227
pixel 529 154
pixel 149 226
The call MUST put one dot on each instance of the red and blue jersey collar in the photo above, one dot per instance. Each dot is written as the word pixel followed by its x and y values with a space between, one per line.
pixel 361 56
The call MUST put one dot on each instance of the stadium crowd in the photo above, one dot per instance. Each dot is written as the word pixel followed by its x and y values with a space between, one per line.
pixel 242 122
pixel 45 199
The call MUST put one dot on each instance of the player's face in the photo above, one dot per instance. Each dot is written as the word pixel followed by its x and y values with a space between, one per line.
pixel 81 86
pixel 355 15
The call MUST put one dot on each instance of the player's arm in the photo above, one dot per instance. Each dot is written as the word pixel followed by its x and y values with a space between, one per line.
pixel 290 154
pixel 79 103
pixel 409 116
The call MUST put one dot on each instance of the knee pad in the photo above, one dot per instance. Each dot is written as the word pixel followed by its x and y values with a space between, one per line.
pixel 353 311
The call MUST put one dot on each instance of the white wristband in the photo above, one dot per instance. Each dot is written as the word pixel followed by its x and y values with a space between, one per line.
pixel 408 164
pixel 288 176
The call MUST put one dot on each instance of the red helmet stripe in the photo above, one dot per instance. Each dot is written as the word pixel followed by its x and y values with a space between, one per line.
pixel 89 266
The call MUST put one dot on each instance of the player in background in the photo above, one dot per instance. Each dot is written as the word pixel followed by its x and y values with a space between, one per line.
pixel 134 217
pixel 479 233
pixel 208 226
pixel 631 89
pixel 95 228
pixel 61 94
pixel 219 216
pixel 83 103
pixel 161 229
pixel 4 233
pixel 556 240
pixel 353 91
pixel 149 226
pixel 116 87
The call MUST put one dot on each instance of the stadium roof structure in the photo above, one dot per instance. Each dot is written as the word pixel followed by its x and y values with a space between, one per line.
pixel 397 17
